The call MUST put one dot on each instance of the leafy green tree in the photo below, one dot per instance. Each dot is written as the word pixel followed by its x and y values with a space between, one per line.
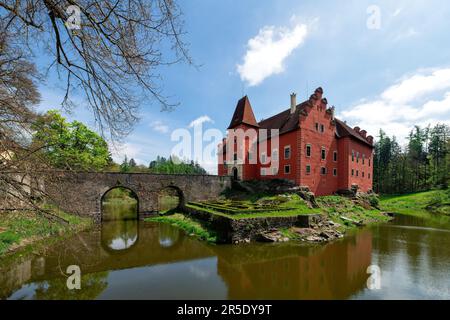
pixel 70 145
pixel 173 165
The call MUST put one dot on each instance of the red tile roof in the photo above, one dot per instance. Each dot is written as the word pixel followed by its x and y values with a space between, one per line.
pixel 285 121
pixel 343 130
pixel 243 114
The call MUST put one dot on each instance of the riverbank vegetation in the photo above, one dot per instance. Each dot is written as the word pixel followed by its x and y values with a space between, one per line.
pixel 337 214
pixel 190 225
pixel 287 205
pixel 19 229
pixel 422 204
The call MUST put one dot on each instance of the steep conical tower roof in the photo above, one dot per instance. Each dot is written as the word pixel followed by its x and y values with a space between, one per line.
pixel 243 114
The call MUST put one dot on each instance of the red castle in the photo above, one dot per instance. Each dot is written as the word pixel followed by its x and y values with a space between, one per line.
pixel 313 148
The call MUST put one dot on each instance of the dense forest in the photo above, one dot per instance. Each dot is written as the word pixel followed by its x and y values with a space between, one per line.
pixel 423 163
pixel 171 165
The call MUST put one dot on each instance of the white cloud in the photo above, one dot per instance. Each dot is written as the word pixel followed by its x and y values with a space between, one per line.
pixel 267 52
pixel 417 86
pixel 419 99
pixel 200 120
pixel 159 127
pixel 130 150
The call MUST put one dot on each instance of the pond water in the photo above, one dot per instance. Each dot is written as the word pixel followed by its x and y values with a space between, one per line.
pixel 139 260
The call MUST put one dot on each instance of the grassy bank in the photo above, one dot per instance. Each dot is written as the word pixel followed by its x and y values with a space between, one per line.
pixel 336 207
pixel 19 229
pixel 191 226
pixel 343 212
pixel 422 204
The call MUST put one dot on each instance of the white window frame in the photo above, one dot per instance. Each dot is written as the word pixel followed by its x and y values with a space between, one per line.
pixel 274 171
pixel 290 152
pixel 306 169
pixel 321 172
pixel 321 150
pixel 334 172
pixel 310 150
pixel 335 156
pixel 287 166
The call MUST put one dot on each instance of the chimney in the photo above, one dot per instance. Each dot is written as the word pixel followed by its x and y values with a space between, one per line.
pixel 357 129
pixel 363 133
pixel 293 102
pixel 370 139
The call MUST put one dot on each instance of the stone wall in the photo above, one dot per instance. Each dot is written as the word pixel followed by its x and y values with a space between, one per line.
pixel 238 230
pixel 81 192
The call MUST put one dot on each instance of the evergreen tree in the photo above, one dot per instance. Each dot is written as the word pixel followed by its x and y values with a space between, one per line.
pixel 421 165
pixel 132 163
pixel 125 166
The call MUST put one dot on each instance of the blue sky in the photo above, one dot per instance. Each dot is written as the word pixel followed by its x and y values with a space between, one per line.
pixel 391 72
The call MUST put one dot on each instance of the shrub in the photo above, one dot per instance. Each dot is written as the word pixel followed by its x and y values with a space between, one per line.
pixel 374 201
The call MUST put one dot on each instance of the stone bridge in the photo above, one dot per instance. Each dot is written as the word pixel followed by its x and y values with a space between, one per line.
pixel 82 192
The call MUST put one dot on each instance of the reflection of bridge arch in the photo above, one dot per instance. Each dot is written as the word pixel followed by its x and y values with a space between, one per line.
pixel 168 236
pixel 119 237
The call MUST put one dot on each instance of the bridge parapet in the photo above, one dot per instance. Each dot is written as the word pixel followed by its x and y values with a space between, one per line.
pixel 81 192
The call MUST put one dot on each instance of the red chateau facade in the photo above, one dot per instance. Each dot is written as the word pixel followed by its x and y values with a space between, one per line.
pixel 305 144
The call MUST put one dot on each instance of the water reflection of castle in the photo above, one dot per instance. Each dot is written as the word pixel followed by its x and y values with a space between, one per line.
pixel 335 271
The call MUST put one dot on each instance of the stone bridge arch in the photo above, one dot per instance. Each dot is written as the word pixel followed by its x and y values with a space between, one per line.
pixel 102 199
pixel 82 192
